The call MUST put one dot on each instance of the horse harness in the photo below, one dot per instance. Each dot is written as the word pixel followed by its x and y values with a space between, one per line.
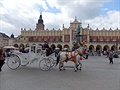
pixel 73 57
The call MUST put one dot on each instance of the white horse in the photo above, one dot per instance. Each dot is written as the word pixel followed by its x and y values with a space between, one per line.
pixel 73 56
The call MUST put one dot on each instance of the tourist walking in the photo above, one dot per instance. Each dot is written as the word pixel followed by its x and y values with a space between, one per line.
pixel 111 57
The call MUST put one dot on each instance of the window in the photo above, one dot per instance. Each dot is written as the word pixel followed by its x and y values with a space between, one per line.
pixel 57 39
pixel 39 39
pixel 74 35
pixel 94 39
pixel 101 39
pixel 84 38
pixel 34 39
pixel 50 39
pixel 45 39
pixel 67 37
pixel 114 39
pixel 107 39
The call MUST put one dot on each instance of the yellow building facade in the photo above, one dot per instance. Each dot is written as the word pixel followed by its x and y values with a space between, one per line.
pixel 94 39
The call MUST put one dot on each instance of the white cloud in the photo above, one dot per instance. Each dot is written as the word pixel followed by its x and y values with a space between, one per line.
pixel 110 20
pixel 17 14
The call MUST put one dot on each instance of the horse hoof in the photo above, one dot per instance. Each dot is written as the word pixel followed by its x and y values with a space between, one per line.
pixel 60 69
pixel 64 69
pixel 75 70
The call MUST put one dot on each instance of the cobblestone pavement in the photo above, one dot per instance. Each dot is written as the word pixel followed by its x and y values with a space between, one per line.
pixel 96 74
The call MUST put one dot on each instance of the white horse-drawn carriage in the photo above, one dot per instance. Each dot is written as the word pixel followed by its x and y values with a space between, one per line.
pixel 35 53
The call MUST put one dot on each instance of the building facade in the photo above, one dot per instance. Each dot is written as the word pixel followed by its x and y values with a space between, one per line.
pixel 94 39
pixel 4 39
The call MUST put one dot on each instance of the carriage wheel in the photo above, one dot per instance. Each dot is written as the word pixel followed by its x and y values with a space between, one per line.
pixel 13 62
pixel 44 64
pixel 52 62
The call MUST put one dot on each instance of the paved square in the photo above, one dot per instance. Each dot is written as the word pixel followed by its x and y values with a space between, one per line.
pixel 96 74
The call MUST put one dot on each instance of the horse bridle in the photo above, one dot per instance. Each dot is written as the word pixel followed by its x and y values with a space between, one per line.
pixel 78 53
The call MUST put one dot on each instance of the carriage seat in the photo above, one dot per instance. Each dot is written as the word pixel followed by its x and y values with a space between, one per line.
pixel 17 52
pixel 66 50
pixel 57 48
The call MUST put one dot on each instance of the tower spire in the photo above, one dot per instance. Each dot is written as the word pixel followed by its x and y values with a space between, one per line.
pixel 40 21
pixel 40 14
pixel 40 25
pixel 75 18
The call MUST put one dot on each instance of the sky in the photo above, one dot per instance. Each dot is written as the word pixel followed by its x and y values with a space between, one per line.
pixel 17 14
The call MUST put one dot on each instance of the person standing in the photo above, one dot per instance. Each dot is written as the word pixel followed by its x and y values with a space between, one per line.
pixel 2 58
pixel 87 54
pixel 111 57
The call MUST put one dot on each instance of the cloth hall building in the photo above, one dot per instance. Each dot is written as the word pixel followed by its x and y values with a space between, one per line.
pixel 94 39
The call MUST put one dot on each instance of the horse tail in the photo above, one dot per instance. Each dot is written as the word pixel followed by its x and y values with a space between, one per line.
pixel 58 59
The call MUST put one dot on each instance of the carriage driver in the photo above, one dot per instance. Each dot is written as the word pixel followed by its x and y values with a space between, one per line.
pixel 47 48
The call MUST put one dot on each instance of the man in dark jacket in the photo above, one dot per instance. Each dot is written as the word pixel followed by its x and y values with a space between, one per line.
pixel 46 45
pixel 47 48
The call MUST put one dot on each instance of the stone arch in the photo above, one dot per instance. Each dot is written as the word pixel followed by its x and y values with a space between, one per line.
pixel 53 47
pixel 27 45
pixel 33 44
pixel 59 46
pixel 15 45
pixel 98 47
pixel 40 44
pixel 106 47
pixel 113 48
pixel 91 48
pixel 66 46
pixel 22 45
pixel 118 47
